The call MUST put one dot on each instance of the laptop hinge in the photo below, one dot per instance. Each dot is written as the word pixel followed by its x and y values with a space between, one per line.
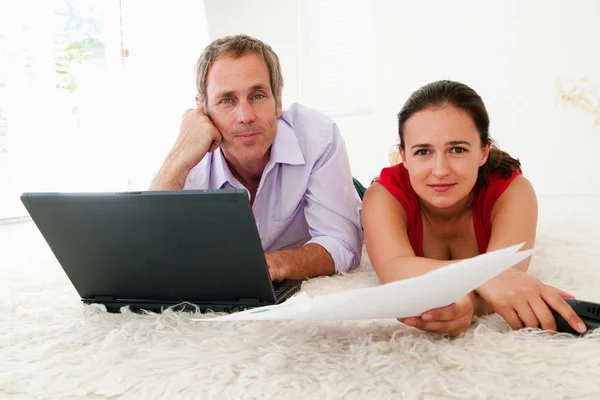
pixel 249 300
pixel 104 298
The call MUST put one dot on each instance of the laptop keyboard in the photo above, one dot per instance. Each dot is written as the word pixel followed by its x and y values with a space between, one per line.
pixel 279 289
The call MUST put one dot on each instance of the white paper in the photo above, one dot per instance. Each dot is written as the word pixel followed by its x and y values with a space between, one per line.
pixel 400 299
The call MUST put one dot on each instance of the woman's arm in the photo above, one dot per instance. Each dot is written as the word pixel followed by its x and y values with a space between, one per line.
pixel 517 296
pixel 392 257
pixel 386 239
pixel 514 218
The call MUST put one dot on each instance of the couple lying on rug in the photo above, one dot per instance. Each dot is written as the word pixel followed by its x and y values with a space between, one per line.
pixel 455 195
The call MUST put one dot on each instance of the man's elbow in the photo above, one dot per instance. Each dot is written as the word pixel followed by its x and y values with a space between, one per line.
pixel 350 259
pixel 345 251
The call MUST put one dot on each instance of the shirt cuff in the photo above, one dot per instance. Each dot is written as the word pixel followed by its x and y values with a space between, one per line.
pixel 344 258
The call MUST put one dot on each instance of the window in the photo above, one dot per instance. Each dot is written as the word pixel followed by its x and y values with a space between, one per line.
pixel 50 51
pixel 74 114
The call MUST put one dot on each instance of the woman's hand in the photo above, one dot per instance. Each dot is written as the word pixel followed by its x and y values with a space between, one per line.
pixel 452 320
pixel 522 300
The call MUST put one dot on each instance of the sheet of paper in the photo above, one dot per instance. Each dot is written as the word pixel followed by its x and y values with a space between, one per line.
pixel 399 299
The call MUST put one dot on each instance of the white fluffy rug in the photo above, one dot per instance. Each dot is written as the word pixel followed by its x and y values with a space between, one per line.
pixel 51 346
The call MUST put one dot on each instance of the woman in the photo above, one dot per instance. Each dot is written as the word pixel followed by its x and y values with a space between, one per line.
pixel 456 195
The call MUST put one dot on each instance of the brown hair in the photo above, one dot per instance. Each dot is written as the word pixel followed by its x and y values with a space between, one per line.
pixel 237 46
pixel 461 96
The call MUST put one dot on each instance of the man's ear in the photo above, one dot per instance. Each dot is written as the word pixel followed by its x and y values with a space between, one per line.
pixel 485 153
pixel 278 107
pixel 200 106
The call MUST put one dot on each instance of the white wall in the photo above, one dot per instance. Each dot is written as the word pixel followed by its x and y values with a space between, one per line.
pixel 157 84
pixel 511 52
pixel 273 21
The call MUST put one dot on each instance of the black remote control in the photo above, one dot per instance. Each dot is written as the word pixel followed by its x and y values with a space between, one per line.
pixel 589 312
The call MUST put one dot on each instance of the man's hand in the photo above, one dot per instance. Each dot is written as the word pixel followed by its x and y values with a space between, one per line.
pixel 522 300
pixel 276 266
pixel 197 136
pixel 452 320
pixel 304 262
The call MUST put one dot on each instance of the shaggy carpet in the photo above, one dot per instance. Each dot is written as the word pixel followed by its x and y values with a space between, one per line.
pixel 51 346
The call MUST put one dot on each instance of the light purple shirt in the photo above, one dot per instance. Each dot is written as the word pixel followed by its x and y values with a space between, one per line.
pixel 306 194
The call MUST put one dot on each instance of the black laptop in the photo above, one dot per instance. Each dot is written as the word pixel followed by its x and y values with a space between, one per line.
pixel 193 250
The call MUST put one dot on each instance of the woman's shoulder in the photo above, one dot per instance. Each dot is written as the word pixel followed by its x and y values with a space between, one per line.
pixel 497 185
pixel 394 178
pixel 518 185
pixel 396 181
pixel 498 182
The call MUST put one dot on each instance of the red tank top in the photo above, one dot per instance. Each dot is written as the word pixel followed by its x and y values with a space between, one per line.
pixel 396 180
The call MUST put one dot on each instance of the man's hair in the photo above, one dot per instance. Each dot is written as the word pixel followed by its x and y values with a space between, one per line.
pixel 237 46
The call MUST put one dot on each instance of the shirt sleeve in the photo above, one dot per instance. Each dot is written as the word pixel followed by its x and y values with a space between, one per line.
pixel 332 205
pixel 198 177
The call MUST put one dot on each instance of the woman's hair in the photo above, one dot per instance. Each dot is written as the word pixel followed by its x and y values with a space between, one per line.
pixel 461 96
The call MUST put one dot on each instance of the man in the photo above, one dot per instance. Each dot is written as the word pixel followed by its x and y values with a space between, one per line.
pixel 293 163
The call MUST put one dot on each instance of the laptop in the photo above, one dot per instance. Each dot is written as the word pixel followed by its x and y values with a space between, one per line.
pixel 193 250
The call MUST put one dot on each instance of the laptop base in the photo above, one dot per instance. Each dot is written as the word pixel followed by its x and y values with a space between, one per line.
pixel 114 305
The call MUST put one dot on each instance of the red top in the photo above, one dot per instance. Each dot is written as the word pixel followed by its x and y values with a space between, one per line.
pixel 396 180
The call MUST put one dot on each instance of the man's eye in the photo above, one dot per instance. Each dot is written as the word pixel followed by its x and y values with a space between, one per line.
pixel 258 96
pixel 225 101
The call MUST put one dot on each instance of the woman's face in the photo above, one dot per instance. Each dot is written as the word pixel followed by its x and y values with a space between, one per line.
pixel 442 153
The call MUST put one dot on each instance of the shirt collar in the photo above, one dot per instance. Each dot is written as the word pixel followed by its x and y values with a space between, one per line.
pixel 220 172
pixel 285 148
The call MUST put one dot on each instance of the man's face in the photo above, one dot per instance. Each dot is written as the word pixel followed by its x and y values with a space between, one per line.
pixel 240 102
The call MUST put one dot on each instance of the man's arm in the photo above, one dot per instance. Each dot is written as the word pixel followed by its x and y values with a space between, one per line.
pixel 305 262
pixel 332 212
pixel 197 136
pixel 172 174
